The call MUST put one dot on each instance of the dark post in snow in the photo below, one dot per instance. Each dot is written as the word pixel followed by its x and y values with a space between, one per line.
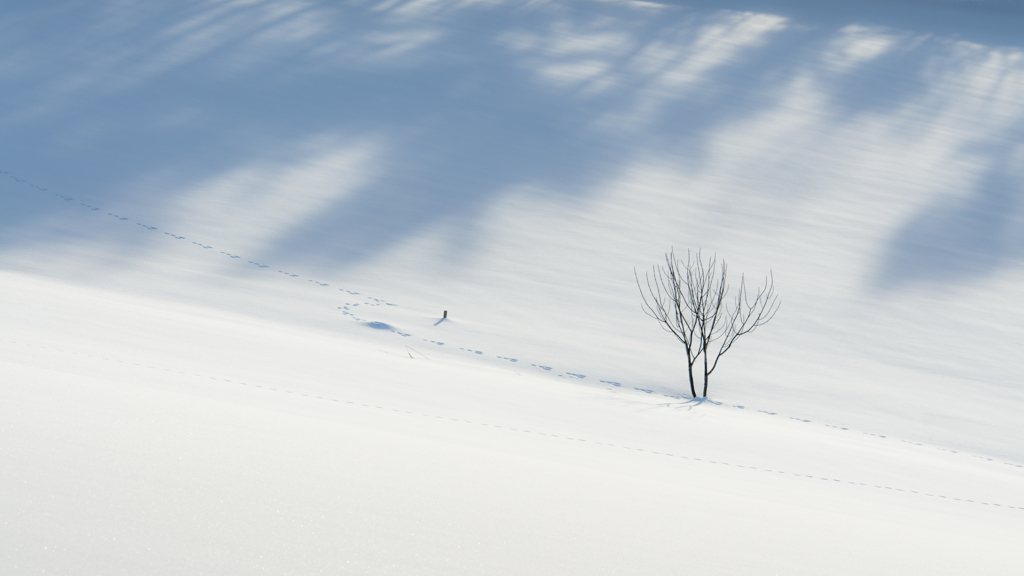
pixel 445 314
pixel 688 299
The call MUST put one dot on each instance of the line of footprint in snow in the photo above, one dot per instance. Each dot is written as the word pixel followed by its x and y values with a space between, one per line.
pixel 349 310
pixel 522 430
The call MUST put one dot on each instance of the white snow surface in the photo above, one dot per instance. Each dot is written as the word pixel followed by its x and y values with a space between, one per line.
pixel 229 231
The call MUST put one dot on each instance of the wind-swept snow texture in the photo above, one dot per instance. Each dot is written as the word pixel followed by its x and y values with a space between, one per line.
pixel 229 231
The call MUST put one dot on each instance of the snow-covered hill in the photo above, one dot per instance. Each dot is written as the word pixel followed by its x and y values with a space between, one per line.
pixel 230 230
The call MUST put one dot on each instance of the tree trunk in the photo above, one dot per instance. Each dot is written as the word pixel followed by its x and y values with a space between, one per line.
pixel 689 370
pixel 705 374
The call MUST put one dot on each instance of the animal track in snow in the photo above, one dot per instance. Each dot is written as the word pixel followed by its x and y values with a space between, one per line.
pixel 574 438
pixel 378 302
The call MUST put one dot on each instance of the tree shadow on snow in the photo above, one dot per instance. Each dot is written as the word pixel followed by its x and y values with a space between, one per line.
pixel 135 106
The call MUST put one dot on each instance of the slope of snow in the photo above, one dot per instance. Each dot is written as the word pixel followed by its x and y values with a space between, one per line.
pixel 230 230
pixel 153 438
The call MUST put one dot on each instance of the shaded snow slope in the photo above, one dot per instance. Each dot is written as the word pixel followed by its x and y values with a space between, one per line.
pixel 289 194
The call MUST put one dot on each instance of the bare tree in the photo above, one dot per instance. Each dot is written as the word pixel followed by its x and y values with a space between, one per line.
pixel 689 300
pixel 671 299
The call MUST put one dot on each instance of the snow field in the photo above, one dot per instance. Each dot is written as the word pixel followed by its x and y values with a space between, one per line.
pixel 229 230
pixel 303 451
